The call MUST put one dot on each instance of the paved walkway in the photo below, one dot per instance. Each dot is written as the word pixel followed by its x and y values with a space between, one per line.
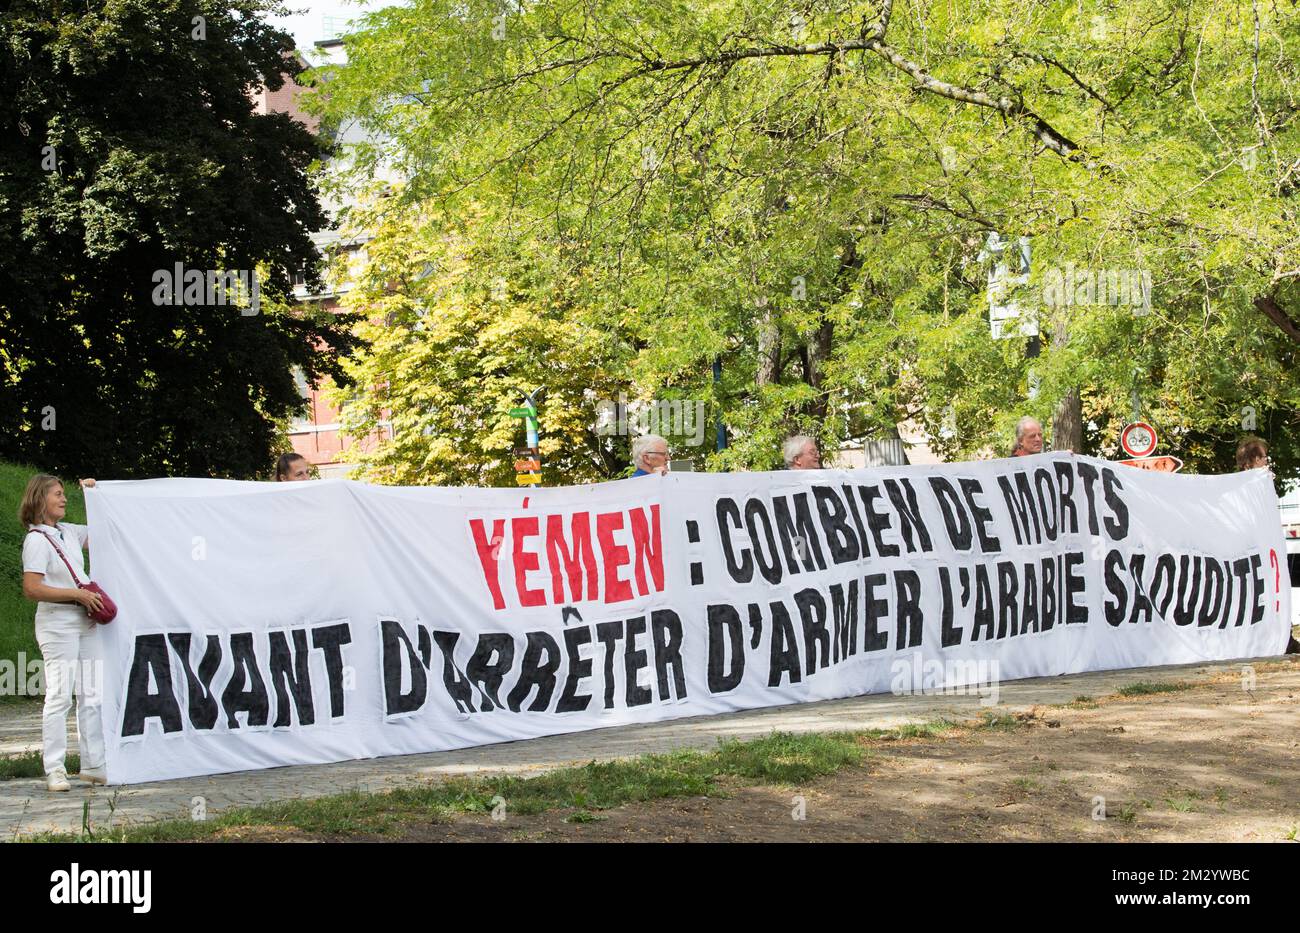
pixel 26 807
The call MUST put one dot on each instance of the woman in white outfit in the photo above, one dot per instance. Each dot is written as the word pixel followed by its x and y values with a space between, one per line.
pixel 68 638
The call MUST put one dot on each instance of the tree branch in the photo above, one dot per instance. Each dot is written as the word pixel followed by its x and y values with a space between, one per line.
pixel 1045 60
pixel 1052 138
pixel 1277 314
pixel 926 202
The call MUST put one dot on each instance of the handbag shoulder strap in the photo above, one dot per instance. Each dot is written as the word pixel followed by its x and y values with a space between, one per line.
pixel 75 579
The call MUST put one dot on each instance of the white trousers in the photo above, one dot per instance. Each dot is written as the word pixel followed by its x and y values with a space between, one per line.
pixel 72 650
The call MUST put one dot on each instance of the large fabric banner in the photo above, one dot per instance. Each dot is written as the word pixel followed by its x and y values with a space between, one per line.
pixel 266 624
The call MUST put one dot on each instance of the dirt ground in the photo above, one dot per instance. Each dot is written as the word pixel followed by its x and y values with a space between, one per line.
pixel 1212 763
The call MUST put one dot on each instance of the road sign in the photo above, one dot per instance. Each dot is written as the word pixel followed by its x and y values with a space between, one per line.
pixel 1009 269
pixel 528 479
pixel 531 422
pixel 1159 464
pixel 528 411
pixel 526 452
pixel 1138 439
pixel 522 465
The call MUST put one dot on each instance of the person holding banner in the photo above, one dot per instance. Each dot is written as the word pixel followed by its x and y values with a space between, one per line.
pixel 650 455
pixel 800 453
pixel 1252 453
pixel 292 468
pixel 1029 437
pixel 69 640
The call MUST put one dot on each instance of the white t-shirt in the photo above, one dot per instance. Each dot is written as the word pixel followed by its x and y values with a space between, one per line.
pixel 39 556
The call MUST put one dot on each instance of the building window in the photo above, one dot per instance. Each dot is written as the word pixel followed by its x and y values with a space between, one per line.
pixel 304 420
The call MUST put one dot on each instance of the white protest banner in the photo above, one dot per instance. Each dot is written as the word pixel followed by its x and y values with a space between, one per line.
pixel 266 624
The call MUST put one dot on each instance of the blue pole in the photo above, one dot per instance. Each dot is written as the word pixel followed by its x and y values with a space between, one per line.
pixel 717 380
pixel 531 421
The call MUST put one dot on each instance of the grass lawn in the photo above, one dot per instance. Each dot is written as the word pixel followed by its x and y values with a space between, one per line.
pixel 17 615
pixel 780 758
pixel 28 765
pixel 1144 688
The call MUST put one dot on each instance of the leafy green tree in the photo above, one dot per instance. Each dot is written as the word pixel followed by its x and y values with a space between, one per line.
pixel 460 326
pixel 130 144
pixel 805 192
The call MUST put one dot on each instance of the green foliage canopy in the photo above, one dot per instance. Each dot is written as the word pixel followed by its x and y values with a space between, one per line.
pixel 805 193
pixel 130 143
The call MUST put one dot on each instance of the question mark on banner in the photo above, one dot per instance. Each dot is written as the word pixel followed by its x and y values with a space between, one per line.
pixel 1277 580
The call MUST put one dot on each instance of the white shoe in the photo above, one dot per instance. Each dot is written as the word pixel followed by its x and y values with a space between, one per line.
pixel 94 775
pixel 57 780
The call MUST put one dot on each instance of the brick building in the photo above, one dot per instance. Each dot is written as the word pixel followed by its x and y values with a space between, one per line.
pixel 316 434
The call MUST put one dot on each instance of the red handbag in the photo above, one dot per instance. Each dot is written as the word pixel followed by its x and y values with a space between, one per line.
pixel 108 611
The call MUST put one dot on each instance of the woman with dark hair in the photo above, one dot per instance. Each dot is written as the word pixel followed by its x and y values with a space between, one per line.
pixel 1252 453
pixel 292 468
pixel 53 567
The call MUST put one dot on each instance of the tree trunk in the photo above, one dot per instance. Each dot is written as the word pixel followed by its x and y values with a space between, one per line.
pixel 1067 423
pixel 769 344
pixel 817 354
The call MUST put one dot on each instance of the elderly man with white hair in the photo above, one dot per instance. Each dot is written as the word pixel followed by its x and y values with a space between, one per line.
pixel 801 453
pixel 650 455
pixel 1029 437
